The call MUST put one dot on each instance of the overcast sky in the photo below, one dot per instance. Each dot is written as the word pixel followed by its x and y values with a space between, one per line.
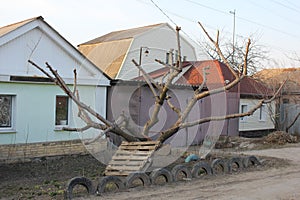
pixel 275 23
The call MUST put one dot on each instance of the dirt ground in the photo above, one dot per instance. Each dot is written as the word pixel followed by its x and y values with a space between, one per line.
pixel 277 178
pixel 280 180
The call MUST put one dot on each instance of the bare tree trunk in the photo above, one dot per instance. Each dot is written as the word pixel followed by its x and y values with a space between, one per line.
pixel 292 123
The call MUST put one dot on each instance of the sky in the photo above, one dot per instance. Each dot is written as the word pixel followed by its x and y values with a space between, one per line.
pixel 271 23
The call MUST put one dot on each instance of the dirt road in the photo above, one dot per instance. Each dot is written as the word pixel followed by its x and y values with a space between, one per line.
pixel 277 183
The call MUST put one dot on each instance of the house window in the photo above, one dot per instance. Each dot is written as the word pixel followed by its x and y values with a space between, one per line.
pixel 286 101
pixel 62 110
pixel 6 112
pixel 262 113
pixel 244 109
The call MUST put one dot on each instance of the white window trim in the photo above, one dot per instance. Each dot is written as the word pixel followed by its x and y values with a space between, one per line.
pixel 245 118
pixel 60 127
pixel 262 113
pixel 11 129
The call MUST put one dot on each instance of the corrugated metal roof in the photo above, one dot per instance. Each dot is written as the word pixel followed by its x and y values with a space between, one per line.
pixel 123 34
pixel 108 56
pixel 6 29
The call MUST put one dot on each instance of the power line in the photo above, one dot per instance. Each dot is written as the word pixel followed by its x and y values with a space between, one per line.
pixel 194 21
pixel 244 19
pixel 163 12
pixel 278 14
pixel 286 6
pixel 187 35
pixel 293 4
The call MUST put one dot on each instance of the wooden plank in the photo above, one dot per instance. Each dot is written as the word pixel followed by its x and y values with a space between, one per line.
pixel 140 143
pixel 142 153
pixel 137 147
pixel 125 162
pixel 123 168
pixel 129 157
pixel 117 173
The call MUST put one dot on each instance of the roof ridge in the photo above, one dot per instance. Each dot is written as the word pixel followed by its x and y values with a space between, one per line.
pixel 122 34
pixel 23 21
pixel 11 27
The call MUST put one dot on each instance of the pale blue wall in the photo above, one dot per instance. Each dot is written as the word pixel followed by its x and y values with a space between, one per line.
pixel 35 112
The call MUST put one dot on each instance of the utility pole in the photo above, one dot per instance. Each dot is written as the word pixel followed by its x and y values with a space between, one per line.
pixel 233 34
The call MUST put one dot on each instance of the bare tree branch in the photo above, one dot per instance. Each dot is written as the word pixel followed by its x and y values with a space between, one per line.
pixel 77 129
pixel 147 78
pixel 163 93
pixel 216 43
pixel 107 124
pixel 75 81
pixel 293 122
pixel 99 136
pixel 175 109
pixel 167 65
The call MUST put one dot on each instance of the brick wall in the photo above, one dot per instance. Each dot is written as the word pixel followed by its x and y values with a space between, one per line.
pixel 27 152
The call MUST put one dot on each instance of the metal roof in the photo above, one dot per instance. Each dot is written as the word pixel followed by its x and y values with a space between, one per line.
pixel 275 77
pixel 123 34
pixel 108 56
pixel 6 29
pixel 218 74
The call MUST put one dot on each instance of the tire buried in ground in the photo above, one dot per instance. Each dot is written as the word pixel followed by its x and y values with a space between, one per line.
pixel 83 181
pixel 161 176
pixel 201 169
pixel 110 184
pixel 235 164
pixel 219 166
pixel 181 172
pixel 250 161
pixel 137 179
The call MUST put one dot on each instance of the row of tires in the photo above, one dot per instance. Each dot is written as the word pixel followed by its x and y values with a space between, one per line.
pixel 162 176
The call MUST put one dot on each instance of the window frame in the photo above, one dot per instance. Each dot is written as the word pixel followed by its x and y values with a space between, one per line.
pixel 243 119
pixel 263 113
pixel 60 126
pixel 12 127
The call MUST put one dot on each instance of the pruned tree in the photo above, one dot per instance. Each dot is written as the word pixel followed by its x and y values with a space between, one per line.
pixel 160 92
pixel 235 53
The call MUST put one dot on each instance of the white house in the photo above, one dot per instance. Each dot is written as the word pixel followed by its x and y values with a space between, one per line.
pixel 113 52
pixel 262 120
pixel 34 110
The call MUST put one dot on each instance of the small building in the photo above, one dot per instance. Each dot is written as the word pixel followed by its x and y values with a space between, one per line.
pixel 113 52
pixel 33 110
pixel 239 99
pixel 288 103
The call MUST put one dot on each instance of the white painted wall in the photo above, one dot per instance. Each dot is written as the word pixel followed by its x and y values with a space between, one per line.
pixel 35 112
pixel 159 41
pixel 253 122
pixel 40 48
pixel 34 104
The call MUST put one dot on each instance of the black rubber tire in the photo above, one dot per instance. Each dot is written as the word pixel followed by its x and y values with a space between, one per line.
pixel 87 183
pixel 161 172
pixel 109 179
pixel 250 161
pixel 201 166
pixel 137 175
pixel 235 161
pixel 220 162
pixel 181 168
